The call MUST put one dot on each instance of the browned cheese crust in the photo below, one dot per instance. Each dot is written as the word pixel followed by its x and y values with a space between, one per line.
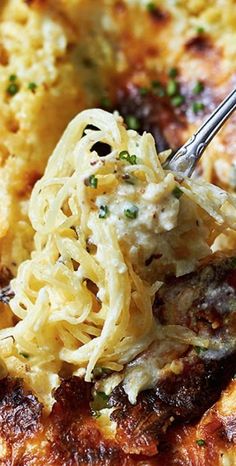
pixel 176 422
pixel 70 436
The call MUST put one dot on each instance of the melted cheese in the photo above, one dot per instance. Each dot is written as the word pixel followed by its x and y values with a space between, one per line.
pixel 82 249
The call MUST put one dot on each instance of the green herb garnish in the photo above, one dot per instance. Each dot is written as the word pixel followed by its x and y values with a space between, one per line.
pixel 177 100
pixel 99 371
pixel 103 211
pixel 100 401
pixel 200 442
pixel 105 102
pixel 198 88
pixel 132 122
pixel 131 212
pixel 151 7
pixel 12 77
pixel 32 87
pixel 25 355
pixel 172 73
pixel 103 395
pixel 200 30
pixel 172 87
pixel 133 159
pixel 177 192
pixel 143 91
pixel 200 349
pixel 92 181
pixel 12 89
pixel 124 155
pixel 198 107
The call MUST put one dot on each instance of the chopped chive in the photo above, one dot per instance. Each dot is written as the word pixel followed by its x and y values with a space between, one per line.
pixel 198 88
pixel 177 192
pixel 124 155
pixel 12 77
pixel 200 349
pixel 200 30
pixel 197 107
pixel 133 159
pixel 105 102
pixel 12 89
pixel 92 181
pixel 99 371
pixel 151 7
pixel 132 122
pixel 100 401
pixel 143 91
pixel 200 442
pixel 172 87
pixel 103 395
pixel 172 73
pixel 25 355
pixel 103 211
pixel 177 100
pixel 32 87
pixel 131 212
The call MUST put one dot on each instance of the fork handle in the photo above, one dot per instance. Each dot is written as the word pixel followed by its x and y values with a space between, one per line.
pixel 185 159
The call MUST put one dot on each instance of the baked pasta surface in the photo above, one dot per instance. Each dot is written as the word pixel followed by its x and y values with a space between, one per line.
pixel 164 66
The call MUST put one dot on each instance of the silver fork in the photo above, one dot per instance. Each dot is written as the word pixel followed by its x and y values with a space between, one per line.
pixel 185 159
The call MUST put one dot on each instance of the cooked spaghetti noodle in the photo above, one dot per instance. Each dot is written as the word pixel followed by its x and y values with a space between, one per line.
pixel 107 230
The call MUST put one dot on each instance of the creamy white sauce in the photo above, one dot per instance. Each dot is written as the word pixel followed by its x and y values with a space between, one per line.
pixel 147 369
pixel 157 213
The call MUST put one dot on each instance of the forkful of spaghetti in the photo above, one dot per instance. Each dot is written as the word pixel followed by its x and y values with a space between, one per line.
pixel 108 230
